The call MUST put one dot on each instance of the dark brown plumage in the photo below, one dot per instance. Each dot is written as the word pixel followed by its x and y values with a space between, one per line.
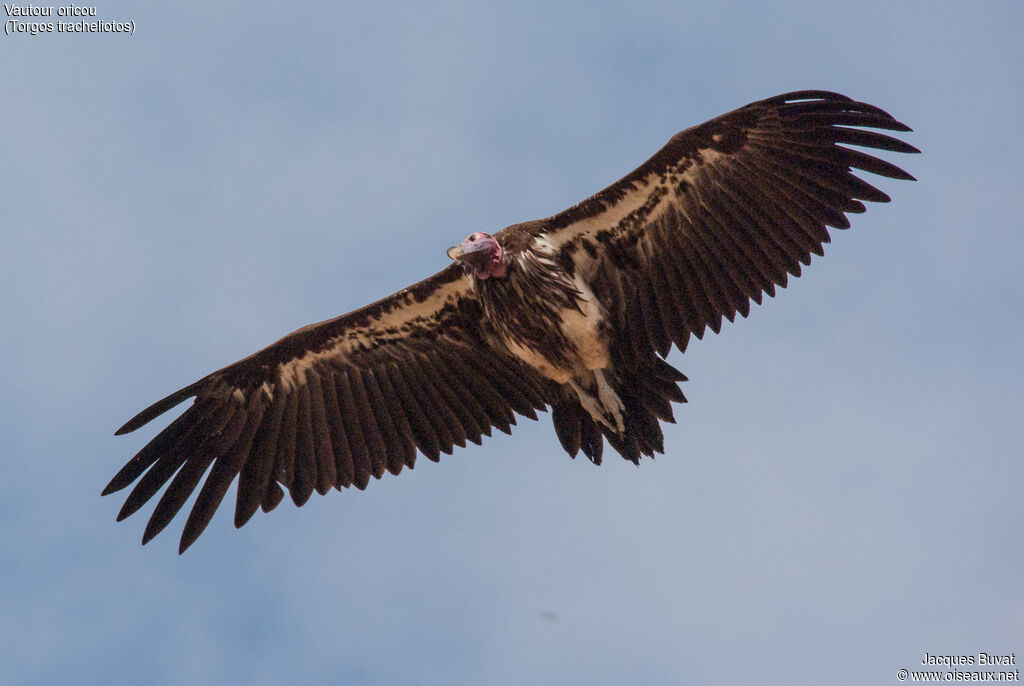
pixel 574 312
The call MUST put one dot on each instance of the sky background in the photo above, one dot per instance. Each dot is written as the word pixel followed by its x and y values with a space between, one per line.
pixel 841 495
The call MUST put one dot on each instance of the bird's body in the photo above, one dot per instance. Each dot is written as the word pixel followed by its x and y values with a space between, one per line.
pixel 544 315
pixel 574 313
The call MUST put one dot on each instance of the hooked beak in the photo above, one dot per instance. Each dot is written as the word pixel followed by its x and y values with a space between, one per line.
pixel 456 252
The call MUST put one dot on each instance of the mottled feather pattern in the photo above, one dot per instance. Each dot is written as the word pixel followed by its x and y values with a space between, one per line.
pixel 724 213
pixel 524 308
pixel 729 210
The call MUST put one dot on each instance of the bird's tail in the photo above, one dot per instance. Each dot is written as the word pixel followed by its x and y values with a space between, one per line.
pixel 647 392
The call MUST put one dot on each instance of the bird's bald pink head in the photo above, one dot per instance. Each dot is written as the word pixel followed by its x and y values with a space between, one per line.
pixel 480 254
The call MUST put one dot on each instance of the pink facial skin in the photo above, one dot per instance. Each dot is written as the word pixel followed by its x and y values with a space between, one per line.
pixel 481 254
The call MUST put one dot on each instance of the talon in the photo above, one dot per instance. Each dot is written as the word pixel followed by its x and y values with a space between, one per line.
pixel 591 404
pixel 606 408
pixel 610 400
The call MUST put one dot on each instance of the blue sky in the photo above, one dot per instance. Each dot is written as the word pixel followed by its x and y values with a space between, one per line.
pixel 841 495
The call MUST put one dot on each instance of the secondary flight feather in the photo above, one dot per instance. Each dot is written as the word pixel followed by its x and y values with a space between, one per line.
pixel 575 313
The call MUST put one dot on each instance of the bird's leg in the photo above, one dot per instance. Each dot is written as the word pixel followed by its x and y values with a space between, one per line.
pixel 609 399
pixel 591 404
pixel 606 408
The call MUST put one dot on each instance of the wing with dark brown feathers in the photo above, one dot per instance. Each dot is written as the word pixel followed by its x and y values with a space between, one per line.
pixel 331 405
pixel 725 212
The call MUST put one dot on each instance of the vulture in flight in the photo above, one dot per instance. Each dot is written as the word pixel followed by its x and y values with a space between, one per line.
pixel 575 313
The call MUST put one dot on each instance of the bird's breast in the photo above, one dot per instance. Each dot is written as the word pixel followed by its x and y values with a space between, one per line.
pixel 559 329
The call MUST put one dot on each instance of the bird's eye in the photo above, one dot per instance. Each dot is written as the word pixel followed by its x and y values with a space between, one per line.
pixel 472 238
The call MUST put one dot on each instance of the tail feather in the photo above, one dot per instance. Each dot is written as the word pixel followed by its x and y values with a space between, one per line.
pixel 591 442
pixel 575 429
pixel 647 392
pixel 565 415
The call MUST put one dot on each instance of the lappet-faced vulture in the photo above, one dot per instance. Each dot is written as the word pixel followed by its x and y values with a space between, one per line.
pixel 574 313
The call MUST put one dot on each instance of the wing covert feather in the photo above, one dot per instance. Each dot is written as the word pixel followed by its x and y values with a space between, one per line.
pixel 331 405
pixel 724 212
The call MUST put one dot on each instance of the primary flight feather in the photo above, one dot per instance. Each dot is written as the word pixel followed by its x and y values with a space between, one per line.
pixel 574 312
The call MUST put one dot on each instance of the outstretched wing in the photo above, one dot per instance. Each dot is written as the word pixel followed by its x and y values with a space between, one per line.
pixel 330 405
pixel 725 212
